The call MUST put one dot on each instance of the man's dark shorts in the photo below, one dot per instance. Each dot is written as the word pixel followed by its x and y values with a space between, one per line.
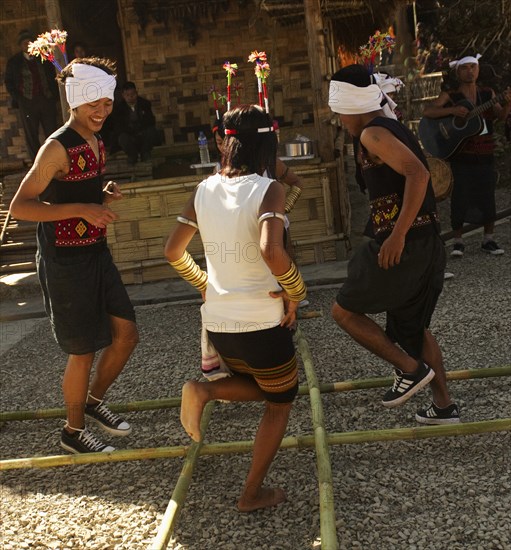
pixel 407 292
pixel 81 292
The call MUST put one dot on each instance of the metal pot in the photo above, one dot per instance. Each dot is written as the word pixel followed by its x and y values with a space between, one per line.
pixel 306 147
pixel 294 149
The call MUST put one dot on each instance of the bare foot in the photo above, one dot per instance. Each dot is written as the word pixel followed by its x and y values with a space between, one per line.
pixel 193 400
pixel 266 498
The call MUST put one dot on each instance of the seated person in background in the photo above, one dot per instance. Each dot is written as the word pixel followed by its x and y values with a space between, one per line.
pixel 135 128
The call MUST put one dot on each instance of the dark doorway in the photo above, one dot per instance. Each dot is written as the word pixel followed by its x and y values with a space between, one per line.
pixel 94 24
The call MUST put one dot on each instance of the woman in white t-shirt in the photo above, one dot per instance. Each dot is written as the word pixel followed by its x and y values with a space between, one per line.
pixel 251 290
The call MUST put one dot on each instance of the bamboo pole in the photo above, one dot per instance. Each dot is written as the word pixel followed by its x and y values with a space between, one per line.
pixel 329 387
pixel 326 491
pixel 178 497
pixel 291 442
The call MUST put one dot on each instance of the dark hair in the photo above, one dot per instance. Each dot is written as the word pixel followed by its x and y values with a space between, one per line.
pixel 357 75
pixel 104 64
pixel 248 151
pixel 218 128
pixel 25 34
pixel 128 86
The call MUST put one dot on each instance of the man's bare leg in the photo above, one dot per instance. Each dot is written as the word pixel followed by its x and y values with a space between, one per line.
pixel 372 337
pixel 433 357
pixel 74 387
pixel 114 357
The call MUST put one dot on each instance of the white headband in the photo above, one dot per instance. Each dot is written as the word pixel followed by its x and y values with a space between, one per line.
pixel 387 83
pixel 346 99
pixel 464 60
pixel 88 84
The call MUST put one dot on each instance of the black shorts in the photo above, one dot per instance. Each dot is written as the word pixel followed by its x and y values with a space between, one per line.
pixel 268 356
pixel 81 292
pixel 407 292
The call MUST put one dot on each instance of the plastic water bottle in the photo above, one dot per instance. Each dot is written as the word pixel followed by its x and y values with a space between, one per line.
pixel 203 148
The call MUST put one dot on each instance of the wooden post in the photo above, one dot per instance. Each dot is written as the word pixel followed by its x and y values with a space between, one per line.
pixel 55 22
pixel 316 49
pixel 317 35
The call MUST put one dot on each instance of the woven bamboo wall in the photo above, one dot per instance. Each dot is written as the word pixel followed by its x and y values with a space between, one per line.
pixel 148 213
pixel 177 75
pixel 15 16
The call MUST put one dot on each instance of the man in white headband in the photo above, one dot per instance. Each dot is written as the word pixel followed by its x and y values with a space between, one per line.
pixel 83 292
pixel 400 270
pixel 469 149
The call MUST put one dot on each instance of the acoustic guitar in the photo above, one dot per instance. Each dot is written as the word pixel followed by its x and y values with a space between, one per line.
pixel 442 137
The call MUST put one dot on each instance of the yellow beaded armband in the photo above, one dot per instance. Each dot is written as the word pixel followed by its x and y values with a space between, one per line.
pixel 190 271
pixel 292 197
pixel 293 284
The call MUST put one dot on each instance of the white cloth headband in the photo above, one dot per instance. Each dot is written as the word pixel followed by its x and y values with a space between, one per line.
pixel 387 83
pixel 346 99
pixel 464 60
pixel 88 84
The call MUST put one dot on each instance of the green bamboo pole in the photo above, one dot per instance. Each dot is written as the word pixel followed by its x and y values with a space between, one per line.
pixel 291 442
pixel 326 491
pixel 178 497
pixel 171 402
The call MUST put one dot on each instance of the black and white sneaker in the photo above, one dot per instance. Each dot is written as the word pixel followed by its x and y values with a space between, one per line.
pixel 435 415
pixel 457 250
pixel 491 247
pixel 405 385
pixel 107 419
pixel 82 441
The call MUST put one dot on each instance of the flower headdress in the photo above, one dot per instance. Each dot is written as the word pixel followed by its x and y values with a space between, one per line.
pixel 45 44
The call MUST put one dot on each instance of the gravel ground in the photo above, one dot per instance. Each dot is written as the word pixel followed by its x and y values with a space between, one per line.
pixel 431 494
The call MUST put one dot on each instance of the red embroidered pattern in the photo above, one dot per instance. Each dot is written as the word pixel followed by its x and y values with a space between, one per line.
pixel 83 166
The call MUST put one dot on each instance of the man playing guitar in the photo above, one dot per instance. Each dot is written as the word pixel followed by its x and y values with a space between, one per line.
pixel 473 195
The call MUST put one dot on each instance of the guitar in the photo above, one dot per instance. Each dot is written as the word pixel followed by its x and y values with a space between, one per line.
pixel 442 137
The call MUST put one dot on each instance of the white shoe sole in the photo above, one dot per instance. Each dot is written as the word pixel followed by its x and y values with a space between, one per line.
pixel 400 400
pixel 436 421
pixel 111 431
pixel 456 254
pixel 107 449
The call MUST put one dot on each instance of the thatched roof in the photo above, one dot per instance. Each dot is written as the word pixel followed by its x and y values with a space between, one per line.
pixel 353 21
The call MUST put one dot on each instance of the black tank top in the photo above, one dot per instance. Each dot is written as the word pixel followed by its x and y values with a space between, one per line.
pixel 386 188
pixel 83 184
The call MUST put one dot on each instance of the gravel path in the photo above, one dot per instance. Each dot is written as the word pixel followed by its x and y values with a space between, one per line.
pixel 431 494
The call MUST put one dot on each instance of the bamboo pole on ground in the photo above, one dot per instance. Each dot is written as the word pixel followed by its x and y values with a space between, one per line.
pixel 326 492
pixel 328 387
pixel 178 497
pixel 291 442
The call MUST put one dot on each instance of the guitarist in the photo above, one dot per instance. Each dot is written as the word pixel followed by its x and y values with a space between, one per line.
pixel 473 195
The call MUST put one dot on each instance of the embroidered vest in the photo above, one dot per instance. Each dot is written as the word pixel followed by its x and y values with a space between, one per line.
pixel 386 187
pixel 83 184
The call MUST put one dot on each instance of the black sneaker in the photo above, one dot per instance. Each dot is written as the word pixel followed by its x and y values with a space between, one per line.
pixel 82 441
pixel 435 415
pixel 108 420
pixel 457 250
pixel 405 385
pixel 491 247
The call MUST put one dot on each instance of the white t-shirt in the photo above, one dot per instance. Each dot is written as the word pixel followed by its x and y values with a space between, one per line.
pixel 239 281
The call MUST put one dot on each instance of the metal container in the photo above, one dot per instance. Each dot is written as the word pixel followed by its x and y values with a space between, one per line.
pixel 294 149
pixel 306 148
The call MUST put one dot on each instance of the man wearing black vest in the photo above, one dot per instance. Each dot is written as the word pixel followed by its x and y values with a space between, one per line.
pixel 400 271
